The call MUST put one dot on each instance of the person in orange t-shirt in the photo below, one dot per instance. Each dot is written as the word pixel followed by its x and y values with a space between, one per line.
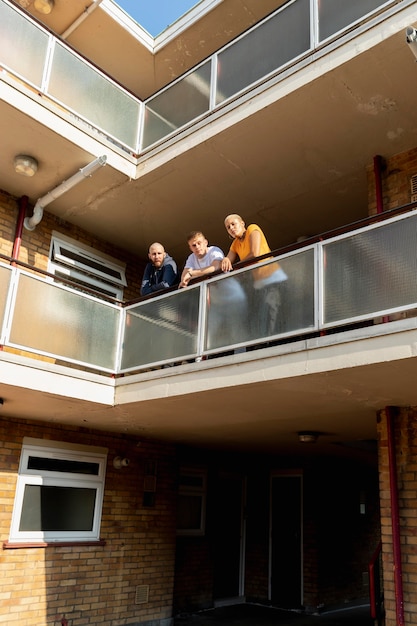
pixel 250 243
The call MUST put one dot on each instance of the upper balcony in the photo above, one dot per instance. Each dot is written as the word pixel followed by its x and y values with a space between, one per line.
pixel 250 122
pixel 328 330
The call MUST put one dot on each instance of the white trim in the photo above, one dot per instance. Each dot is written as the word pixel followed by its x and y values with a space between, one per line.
pixel 59 477
pixel 86 265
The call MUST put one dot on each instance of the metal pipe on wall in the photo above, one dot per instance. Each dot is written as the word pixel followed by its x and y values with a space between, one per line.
pixel 23 205
pixel 30 223
pixel 378 166
pixel 390 413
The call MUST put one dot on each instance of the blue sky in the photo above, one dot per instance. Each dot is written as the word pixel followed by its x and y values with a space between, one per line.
pixel 155 15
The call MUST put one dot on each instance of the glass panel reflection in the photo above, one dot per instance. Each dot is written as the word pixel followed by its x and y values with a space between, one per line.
pixel 275 42
pixel 64 324
pixel 162 329
pixel 181 103
pixel 262 302
pixel 54 508
pixel 371 271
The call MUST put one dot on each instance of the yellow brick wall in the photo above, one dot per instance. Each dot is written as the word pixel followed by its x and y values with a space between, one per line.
pixel 396 176
pixel 35 244
pixel 405 447
pixel 94 584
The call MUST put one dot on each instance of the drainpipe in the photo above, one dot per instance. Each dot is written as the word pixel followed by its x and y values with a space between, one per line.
pixel 87 11
pixel 30 223
pixel 390 413
pixel 378 166
pixel 23 205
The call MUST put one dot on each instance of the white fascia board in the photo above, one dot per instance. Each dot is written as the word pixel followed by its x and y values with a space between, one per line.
pixel 171 32
pixel 175 29
pixel 35 107
pixel 41 376
pixel 308 69
pixel 383 343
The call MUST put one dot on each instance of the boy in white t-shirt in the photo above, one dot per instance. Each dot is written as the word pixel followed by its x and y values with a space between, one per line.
pixel 204 259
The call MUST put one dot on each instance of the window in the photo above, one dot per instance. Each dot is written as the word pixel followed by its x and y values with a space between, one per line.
pixel 59 492
pixel 191 506
pixel 69 258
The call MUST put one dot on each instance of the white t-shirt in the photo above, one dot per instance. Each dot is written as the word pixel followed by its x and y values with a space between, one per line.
pixel 213 254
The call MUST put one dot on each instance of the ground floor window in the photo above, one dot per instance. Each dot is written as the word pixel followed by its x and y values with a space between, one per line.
pixel 59 492
pixel 191 508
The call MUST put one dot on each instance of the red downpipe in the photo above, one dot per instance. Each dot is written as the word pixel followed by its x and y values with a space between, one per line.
pixel 23 205
pixel 395 517
pixel 378 166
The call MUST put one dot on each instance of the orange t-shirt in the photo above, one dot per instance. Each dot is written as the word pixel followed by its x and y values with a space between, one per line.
pixel 241 247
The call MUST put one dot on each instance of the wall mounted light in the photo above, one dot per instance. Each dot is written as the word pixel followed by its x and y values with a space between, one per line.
pixel 44 6
pixel 25 165
pixel 120 462
pixel 308 436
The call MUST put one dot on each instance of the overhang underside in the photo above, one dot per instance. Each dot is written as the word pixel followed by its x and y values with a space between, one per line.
pixel 296 165
pixel 256 402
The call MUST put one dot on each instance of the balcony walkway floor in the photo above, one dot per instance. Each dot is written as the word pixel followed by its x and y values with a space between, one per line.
pixel 256 615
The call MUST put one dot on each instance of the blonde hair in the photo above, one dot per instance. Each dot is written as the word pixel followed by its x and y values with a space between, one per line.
pixel 235 215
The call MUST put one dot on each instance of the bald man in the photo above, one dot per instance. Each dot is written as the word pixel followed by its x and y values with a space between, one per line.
pixel 161 271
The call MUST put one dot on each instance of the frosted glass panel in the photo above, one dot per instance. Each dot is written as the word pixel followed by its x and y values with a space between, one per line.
pixel 181 103
pixel 162 329
pixel 87 92
pixel 22 45
pixel 5 275
pixel 64 324
pixel 258 304
pixel 264 49
pixel 372 271
pixel 334 15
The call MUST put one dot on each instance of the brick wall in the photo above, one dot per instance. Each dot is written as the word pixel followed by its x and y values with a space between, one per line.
pixel 396 176
pixel 93 585
pixel 35 244
pixel 404 445
pixel 338 540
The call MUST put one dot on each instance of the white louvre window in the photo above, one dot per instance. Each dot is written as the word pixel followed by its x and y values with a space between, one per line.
pixel 69 258
pixel 59 493
pixel 191 505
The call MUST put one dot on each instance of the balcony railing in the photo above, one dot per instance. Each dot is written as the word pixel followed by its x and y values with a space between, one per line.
pixel 295 31
pixel 354 277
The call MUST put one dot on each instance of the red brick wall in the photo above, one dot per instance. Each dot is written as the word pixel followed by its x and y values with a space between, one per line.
pixel 396 176
pixel 94 585
pixel 404 445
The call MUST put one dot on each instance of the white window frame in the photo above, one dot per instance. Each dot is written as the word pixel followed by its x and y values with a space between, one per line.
pixel 41 448
pixel 196 491
pixel 89 272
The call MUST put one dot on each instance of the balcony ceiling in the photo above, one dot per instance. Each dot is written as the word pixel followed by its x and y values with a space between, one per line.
pixel 256 402
pixel 297 165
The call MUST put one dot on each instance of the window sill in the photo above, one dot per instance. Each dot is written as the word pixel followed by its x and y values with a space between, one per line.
pixel 8 545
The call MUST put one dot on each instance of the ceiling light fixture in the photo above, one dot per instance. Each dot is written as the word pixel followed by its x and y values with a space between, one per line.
pixel 411 39
pixel 44 6
pixel 25 165
pixel 308 436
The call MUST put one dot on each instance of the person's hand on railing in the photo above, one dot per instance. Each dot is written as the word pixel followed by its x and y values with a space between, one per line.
pixel 226 265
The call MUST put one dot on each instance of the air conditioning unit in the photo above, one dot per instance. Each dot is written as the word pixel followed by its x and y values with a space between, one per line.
pixel 414 188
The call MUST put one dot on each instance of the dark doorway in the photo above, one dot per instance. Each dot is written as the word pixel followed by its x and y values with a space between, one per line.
pixel 286 541
pixel 228 537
